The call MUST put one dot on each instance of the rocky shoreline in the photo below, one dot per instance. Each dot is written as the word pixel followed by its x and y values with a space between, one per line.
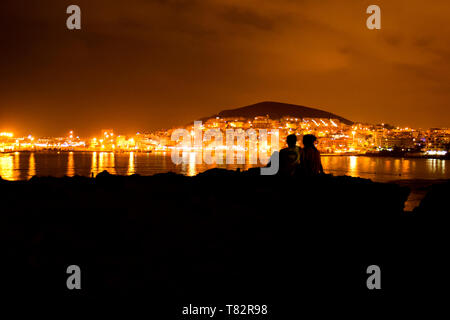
pixel 217 235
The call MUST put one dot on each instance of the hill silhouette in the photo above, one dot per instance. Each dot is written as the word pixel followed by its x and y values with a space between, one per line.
pixel 277 110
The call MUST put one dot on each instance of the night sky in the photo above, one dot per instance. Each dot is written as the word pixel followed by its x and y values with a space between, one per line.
pixel 148 64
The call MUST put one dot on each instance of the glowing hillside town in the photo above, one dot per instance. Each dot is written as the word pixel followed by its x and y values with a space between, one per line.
pixel 334 136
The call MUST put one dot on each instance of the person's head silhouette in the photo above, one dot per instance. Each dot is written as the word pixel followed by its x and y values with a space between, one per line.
pixel 308 140
pixel 291 140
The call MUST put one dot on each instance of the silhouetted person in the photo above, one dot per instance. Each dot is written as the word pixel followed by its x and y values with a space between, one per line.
pixel 290 157
pixel 310 162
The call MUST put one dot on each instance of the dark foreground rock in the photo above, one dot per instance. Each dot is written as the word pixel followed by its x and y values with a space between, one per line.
pixel 218 237
pixel 435 205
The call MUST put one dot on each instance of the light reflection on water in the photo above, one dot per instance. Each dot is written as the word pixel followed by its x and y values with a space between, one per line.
pixel 7 166
pixel 131 162
pixel 22 166
pixel 31 166
pixel 70 165
pixel 94 166
pixel 387 169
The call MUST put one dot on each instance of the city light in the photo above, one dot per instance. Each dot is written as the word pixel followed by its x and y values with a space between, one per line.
pixel 6 134
pixel 334 137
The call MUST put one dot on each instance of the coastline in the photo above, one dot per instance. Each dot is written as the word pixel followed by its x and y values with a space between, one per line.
pixel 419 189
pixel 348 154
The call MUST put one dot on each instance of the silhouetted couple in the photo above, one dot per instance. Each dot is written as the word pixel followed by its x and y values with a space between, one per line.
pixel 300 161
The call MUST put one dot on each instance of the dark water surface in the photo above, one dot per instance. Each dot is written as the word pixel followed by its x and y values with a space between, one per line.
pixel 22 166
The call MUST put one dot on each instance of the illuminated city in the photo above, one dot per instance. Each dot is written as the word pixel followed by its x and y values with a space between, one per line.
pixel 334 136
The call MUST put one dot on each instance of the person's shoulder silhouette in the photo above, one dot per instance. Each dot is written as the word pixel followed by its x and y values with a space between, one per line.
pixel 310 161
pixel 290 157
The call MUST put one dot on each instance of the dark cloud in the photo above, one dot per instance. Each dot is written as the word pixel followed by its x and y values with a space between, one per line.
pixel 423 42
pixel 144 64
pixel 245 17
pixel 393 40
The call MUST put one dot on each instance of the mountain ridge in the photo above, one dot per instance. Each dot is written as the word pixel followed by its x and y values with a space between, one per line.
pixel 277 110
